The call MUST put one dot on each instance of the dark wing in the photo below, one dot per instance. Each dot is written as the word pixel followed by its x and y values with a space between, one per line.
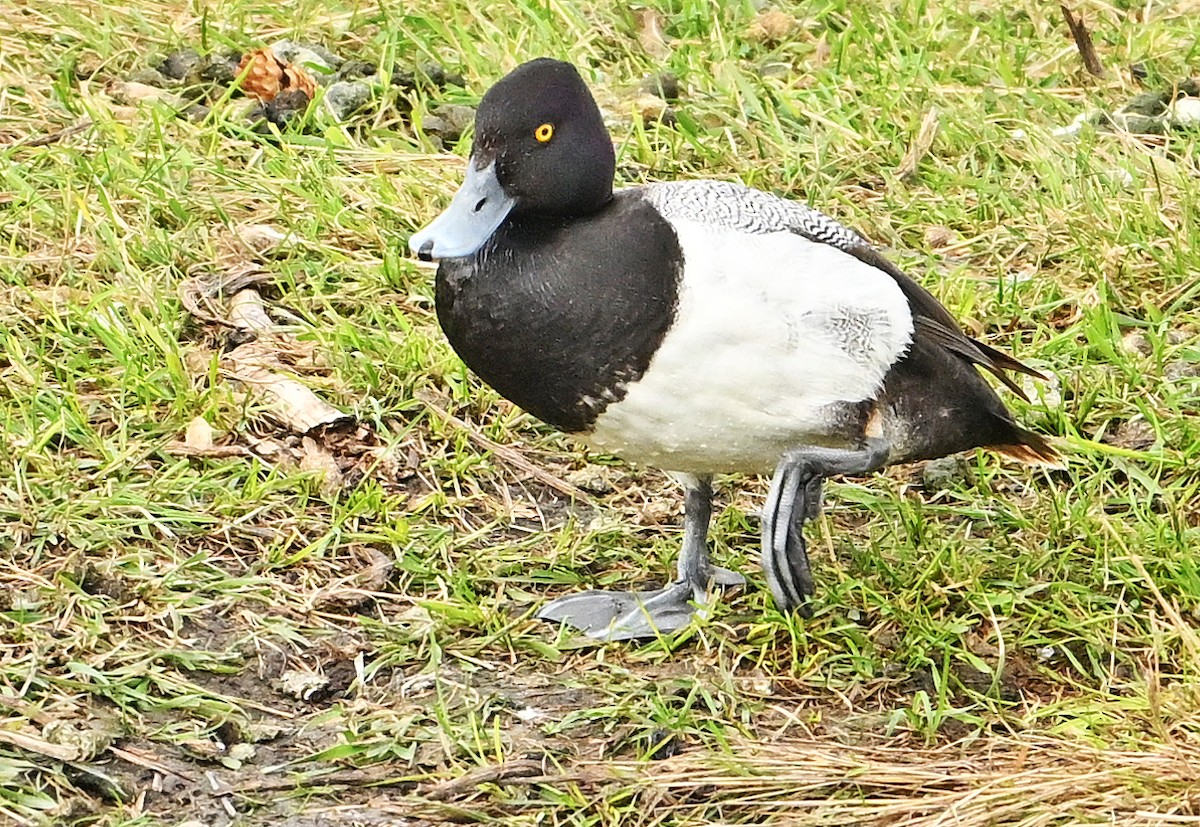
pixel 935 321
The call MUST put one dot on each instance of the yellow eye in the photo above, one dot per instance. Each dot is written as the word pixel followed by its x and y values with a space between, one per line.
pixel 544 132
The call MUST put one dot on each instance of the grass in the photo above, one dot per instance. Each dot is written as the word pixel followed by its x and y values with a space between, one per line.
pixel 1005 646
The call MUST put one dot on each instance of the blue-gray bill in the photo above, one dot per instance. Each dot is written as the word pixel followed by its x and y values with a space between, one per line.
pixel 479 207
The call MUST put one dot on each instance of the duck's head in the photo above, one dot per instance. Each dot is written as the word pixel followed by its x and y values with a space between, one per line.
pixel 540 147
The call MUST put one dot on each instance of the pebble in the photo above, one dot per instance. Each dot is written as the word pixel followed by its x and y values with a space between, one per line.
pixel 153 77
pixel 431 72
pixel 449 121
pixel 355 69
pixel 664 85
pixel 946 472
pixel 220 69
pixel 178 65
pixel 1185 111
pixel 345 97
pixel 320 62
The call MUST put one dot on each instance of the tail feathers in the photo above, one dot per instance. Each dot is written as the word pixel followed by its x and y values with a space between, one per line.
pixel 1031 449
pixel 997 362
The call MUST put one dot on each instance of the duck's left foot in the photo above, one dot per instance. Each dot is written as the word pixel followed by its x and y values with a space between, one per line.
pixel 605 615
pixel 794 499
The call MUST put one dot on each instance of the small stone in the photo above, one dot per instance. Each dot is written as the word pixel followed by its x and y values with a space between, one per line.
pixel 1178 369
pixel 130 93
pixel 427 74
pixel 204 749
pixel 281 109
pixel 1133 434
pixel 255 733
pixel 656 512
pixel 242 752
pixel 452 120
pixel 316 60
pixel 1135 341
pixel 263 239
pixel 85 67
pixel 302 685
pixel 1185 112
pixel 661 744
pixel 593 479
pixel 1150 104
pixel 88 742
pixel 178 65
pixel 1138 124
pixel 1119 176
pixel 937 236
pixel 664 85
pixel 153 77
pixel 1074 128
pixel 774 69
pixel 946 472
pixel 221 69
pixel 355 69
pixel 653 110
pixel 772 26
pixel 345 97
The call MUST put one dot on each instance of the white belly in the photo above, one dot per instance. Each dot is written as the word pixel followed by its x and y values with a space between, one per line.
pixel 773 334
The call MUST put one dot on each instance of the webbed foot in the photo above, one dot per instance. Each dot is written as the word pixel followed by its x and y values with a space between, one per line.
pixel 795 498
pixel 630 615
pixel 614 615
pixel 607 615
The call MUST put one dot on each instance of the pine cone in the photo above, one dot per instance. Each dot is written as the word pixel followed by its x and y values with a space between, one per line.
pixel 268 76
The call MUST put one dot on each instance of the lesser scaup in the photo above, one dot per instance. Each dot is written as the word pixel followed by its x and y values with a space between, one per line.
pixel 696 326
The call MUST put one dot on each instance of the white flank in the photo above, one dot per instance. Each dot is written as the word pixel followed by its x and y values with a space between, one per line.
pixel 771 330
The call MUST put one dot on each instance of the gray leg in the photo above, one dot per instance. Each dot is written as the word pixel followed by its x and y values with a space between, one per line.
pixel 629 615
pixel 793 499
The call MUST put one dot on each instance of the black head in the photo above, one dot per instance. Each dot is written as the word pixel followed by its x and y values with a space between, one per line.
pixel 543 129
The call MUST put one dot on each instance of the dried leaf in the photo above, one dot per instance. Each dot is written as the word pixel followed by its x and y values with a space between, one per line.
pixel 198 291
pixel 650 33
pixel 302 685
pixel 772 26
pixel 653 109
pixel 1083 42
pixel 357 588
pixel 821 55
pixel 35 744
pixel 205 749
pixel 247 312
pixel 1135 341
pixel 261 238
pixel 199 435
pixel 293 403
pixel 131 92
pixel 198 441
pixel 316 457
pixel 938 236
pixel 920 145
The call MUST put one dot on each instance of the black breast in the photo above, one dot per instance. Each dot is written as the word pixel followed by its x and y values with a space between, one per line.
pixel 559 315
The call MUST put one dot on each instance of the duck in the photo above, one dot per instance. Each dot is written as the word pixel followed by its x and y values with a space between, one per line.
pixel 700 327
